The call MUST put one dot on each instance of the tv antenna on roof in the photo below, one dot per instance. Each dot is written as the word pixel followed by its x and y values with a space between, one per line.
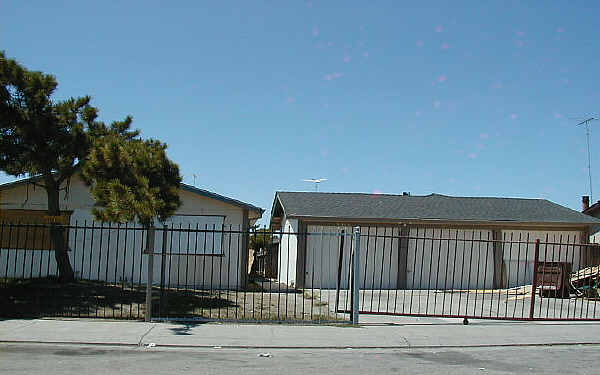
pixel 586 122
pixel 316 181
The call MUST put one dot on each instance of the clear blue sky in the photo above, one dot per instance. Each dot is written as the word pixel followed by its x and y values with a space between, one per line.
pixel 458 98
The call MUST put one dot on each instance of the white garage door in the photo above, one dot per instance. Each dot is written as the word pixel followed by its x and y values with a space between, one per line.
pixel 378 263
pixel 454 260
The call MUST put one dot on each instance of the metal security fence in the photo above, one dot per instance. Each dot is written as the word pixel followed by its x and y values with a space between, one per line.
pixel 109 268
pixel 222 284
pixel 321 274
pixel 174 272
pixel 479 274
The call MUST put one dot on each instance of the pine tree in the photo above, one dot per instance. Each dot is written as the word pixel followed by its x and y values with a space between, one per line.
pixel 132 180
pixel 42 137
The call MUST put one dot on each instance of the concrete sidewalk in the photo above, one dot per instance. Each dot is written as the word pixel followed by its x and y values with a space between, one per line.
pixel 408 333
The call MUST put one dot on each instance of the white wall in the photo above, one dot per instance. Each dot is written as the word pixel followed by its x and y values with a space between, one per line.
pixel 288 252
pixel 118 252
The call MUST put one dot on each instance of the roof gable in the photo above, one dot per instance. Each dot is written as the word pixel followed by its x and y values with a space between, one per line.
pixel 433 207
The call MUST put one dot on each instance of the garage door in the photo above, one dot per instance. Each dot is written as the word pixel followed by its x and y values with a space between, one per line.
pixel 378 263
pixel 453 259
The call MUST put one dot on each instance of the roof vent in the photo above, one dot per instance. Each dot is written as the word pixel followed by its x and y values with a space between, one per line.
pixel 406 193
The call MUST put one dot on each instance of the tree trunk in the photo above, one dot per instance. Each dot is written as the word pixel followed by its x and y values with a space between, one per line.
pixel 65 271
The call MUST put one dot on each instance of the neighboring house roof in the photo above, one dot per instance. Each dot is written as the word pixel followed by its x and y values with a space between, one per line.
pixel 593 210
pixel 192 189
pixel 434 207
pixel 221 198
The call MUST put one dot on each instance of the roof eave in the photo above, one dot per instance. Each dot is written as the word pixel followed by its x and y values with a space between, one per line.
pixel 442 221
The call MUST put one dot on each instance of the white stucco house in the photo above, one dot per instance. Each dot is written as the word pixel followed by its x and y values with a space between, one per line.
pixel 311 248
pixel 21 201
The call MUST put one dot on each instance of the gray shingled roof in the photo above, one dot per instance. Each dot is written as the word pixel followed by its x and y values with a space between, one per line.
pixel 429 207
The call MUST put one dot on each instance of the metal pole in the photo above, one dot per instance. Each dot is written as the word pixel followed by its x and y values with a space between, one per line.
pixel 163 265
pixel 356 276
pixel 150 252
pixel 534 285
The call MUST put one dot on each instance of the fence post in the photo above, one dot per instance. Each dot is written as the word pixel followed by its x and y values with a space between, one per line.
pixel 163 265
pixel 356 276
pixel 150 252
pixel 534 285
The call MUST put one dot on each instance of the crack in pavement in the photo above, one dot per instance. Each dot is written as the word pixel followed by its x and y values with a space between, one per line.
pixel 145 334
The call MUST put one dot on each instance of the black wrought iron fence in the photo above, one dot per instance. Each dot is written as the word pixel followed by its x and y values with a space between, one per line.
pixel 323 274
pixel 509 274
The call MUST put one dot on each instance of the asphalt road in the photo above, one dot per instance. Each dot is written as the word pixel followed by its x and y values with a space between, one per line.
pixel 89 360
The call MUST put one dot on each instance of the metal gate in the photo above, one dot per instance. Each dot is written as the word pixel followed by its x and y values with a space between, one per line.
pixel 477 274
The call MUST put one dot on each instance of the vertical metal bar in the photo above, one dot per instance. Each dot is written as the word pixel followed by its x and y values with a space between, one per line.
pixel 349 293
pixel 525 276
pixel 204 283
pixel 572 266
pixel 421 270
pixel 508 268
pixel 568 277
pixel 382 267
pixel 339 273
pixel 446 273
pixel 374 265
pixel 485 267
pixel 27 236
pixel 178 256
pixel 321 274
pixel 477 273
pixel 117 251
pixel 212 269
pixel 368 240
pixel 397 277
pixel 389 287
pixel 150 274
pixel 437 269
pixel 123 278
pixel 82 276
pixel 470 271
pixel 534 285
pixel 592 248
pixel 133 286
pixel 74 260
pixel 518 269
pixel 10 226
pixel 238 274
pixel 412 287
pixel 504 236
pixel 17 246
pixel 544 272
pixel 588 261
pixel 462 270
pixel 387 304
pixel 454 271
pixel 431 252
pixel 356 276
pixel 556 289
pixel 163 268
pixel 228 265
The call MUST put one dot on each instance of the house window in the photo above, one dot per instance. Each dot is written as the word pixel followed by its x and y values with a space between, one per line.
pixel 24 234
pixel 198 235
